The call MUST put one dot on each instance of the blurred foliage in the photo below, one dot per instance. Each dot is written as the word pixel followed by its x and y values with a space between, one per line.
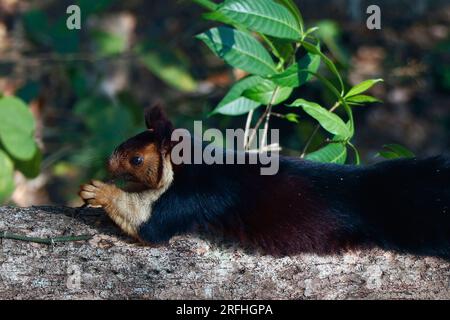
pixel 171 66
pixel 18 150
pixel 394 151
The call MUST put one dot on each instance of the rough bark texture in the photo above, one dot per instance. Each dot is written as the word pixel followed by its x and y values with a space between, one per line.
pixel 111 266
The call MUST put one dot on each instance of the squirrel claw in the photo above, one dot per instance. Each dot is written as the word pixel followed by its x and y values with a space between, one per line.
pixel 96 193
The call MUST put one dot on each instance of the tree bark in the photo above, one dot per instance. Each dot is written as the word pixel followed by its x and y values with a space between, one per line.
pixel 112 266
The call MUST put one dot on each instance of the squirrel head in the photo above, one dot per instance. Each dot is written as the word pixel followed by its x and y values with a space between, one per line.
pixel 141 159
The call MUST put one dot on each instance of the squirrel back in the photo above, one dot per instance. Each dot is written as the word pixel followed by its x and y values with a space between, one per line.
pixel 401 205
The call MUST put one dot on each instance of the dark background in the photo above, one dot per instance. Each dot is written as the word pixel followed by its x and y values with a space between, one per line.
pixel 87 88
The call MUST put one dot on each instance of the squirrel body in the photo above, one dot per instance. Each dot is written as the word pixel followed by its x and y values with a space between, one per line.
pixel 401 205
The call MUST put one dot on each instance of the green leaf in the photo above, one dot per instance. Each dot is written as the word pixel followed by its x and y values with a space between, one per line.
pixel 328 120
pixel 237 107
pixel 6 176
pixel 207 4
pixel 108 44
pixel 341 100
pixel 355 150
pixel 30 168
pixel 282 49
pixel 361 99
pixel 263 16
pixel 330 33
pixel 17 128
pixel 264 92
pixel 292 7
pixel 311 30
pixel 313 49
pixel 240 50
pixel 298 73
pixel 328 29
pixel 233 103
pixel 331 153
pixel 168 66
pixel 292 117
pixel 219 17
pixel 362 87
pixel 387 155
pixel 396 151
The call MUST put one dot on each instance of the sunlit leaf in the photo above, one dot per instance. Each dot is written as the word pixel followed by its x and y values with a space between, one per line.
pixel 331 153
pixel 361 99
pixel 233 103
pixel 330 64
pixel 6 176
pixel 292 7
pixel 292 117
pixel 264 92
pixel 17 128
pixel 240 50
pixel 328 120
pixel 299 73
pixel 263 16
pixel 108 44
pixel 237 107
pixel 219 17
pixel 362 87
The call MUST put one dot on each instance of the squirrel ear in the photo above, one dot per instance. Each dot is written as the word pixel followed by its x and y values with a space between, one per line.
pixel 157 121
pixel 153 115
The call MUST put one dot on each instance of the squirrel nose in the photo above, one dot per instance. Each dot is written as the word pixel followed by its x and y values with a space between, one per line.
pixel 113 165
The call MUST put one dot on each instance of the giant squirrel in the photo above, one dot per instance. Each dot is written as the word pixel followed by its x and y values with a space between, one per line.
pixel 401 205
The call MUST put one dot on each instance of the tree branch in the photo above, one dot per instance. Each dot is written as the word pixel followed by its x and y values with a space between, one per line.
pixel 113 266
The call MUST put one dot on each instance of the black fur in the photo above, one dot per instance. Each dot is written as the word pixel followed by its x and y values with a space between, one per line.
pixel 401 205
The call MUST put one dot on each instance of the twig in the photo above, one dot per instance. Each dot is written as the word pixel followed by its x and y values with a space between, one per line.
pixel 258 124
pixel 247 127
pixel 278 115
pixel 264 115
pixel 308 142
pixel 266 124
pixel 49 240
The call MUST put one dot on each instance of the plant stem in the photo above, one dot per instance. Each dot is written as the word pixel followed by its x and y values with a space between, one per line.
pixel 258 123
pixel 269 110
pixel 357 157
pixel 50 240
pixel 278 115
pixel 264 115
pixel 316 129
pixel 247 127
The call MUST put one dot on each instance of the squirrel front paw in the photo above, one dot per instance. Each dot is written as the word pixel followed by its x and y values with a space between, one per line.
pixel 97 193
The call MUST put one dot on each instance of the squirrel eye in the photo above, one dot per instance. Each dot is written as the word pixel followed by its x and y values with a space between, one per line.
pixel 136 160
